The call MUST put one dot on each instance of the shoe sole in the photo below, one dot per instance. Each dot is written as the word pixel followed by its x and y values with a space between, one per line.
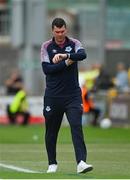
pixel 87 170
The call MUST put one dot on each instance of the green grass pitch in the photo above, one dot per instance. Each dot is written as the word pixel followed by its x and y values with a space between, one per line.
pixel 24 147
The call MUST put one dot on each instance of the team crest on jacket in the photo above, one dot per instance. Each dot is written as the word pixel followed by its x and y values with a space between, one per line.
pixel 48 108
pixel 54 51
pixel 68 48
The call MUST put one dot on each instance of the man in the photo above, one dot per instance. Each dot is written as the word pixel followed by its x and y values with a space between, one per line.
pixel 88 105
pixel 18 107
pixel 59 57
pixel 14 83
pixel 121 79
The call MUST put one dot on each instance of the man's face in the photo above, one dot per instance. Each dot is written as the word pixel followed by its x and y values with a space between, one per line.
pixel 59 34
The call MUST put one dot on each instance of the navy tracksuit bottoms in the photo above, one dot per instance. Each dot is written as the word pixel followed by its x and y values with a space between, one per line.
pixel 54 109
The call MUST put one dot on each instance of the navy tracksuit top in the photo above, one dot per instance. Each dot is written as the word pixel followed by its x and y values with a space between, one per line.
pixel 62 80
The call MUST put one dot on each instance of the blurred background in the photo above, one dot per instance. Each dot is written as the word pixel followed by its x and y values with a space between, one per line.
pixel 103 26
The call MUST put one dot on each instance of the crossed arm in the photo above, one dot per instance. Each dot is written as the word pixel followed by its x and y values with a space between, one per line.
pixel 79 56
pixel 62 61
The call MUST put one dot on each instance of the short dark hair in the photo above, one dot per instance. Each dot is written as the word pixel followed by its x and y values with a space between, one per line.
pixel 58 22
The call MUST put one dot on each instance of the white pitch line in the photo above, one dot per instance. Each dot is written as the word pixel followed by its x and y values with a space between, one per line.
pixel 18 168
